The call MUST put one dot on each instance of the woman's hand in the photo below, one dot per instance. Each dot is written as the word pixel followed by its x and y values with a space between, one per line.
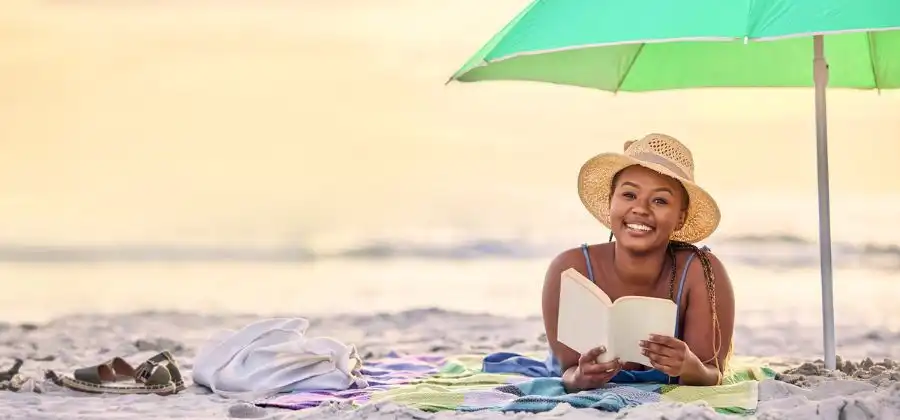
pixel 590 374
pixel 670 355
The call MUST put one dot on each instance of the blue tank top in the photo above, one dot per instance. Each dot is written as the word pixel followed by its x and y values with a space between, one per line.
pixel 638 376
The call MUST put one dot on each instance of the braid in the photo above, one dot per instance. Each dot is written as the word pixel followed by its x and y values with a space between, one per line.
pixel 710 278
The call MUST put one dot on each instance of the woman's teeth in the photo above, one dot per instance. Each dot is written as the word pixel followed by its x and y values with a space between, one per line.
pixel 639 227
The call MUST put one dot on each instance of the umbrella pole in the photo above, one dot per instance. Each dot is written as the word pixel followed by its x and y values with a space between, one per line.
pixel 820 75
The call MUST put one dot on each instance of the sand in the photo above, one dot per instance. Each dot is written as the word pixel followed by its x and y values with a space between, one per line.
pixel 222 94
pixel 866 389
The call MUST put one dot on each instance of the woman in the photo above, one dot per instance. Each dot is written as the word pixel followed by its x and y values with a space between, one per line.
pixel 648 199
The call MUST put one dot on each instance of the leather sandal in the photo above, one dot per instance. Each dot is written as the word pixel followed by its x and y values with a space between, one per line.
pixel 165 360
pixel 107 378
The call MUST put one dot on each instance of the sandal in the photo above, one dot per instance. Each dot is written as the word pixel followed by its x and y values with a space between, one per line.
pixel 10 373
pixel 165 360
pixel 150 377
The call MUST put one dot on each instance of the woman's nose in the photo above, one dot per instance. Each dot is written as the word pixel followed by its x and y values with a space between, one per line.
pixel 640 209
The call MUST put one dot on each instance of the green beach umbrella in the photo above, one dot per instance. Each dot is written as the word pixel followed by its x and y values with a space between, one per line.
pixel 648 45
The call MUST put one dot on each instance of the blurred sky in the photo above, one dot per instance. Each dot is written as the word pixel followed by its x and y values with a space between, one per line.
pixel 143 120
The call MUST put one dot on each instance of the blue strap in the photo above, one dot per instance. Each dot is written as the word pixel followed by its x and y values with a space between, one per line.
pixel 587 260
pixel 687 264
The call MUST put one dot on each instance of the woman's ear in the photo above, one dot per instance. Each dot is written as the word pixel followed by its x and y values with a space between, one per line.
pixel 682 216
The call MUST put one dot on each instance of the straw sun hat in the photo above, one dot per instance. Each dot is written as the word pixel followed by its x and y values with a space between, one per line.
pixel 663 154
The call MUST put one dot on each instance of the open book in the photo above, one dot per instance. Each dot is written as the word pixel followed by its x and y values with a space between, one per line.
pixel 589 319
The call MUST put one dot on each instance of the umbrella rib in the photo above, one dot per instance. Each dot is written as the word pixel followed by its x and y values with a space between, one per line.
pixel 872 55
pixel 628 69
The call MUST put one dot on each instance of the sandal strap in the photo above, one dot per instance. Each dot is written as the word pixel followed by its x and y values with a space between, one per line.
pixel 92 373
pixel 145 370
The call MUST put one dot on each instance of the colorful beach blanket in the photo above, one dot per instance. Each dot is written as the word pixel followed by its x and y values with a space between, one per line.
pixel 512 382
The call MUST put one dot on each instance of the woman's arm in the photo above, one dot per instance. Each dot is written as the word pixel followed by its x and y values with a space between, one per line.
pixel 709 342
pixel 550 307
pixel 579 372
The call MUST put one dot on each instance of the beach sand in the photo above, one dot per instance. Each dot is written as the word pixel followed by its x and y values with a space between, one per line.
pixel 240 124
pixel 869 391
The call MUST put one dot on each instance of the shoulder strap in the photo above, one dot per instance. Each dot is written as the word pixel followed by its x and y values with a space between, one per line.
pixel 687 264
pixel 587 261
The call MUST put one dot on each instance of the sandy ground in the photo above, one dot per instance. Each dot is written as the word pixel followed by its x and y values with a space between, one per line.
pixel 805 391
pixel 115 117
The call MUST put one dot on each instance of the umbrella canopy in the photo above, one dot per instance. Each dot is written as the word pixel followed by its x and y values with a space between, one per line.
pixel 646 45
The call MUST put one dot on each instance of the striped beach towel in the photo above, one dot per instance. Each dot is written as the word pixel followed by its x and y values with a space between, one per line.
pixel 460 383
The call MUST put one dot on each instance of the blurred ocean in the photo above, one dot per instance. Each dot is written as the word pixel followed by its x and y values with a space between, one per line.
pixel 468 270
pixel 774 251
pixel 305 157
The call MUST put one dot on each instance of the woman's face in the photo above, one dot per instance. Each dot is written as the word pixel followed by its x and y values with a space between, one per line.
pixel 645 208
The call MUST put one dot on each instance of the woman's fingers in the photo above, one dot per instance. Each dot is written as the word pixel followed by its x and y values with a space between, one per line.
pixel 668 364
pixel 591 355
pixel 601 368
pixel 664 366
pixel 664 359
pixel 599 379
pixel 595 373
pixel 666 341
pixel 589 365
pixel 649 347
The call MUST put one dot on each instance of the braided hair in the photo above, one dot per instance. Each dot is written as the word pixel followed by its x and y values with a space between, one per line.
pixel 710 280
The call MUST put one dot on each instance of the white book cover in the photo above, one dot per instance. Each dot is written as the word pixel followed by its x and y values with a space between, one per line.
pixel 589 319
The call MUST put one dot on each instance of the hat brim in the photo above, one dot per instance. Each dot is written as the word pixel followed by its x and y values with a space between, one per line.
pixel 595 185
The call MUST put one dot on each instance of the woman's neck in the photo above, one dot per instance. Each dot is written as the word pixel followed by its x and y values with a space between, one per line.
pixel 638 269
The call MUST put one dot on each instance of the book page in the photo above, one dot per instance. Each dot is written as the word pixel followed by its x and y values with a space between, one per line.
pixel 634 318
pixel 589 286
pixel 583 316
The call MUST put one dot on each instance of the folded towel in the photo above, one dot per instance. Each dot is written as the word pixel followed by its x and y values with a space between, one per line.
pixel 274 356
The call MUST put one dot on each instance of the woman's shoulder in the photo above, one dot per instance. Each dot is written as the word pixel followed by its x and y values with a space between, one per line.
pixel 578 253
pixel 696 272
pixel 574 258
pixel 683 252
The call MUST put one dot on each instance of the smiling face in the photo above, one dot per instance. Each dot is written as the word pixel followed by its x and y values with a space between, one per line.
pixel 645 208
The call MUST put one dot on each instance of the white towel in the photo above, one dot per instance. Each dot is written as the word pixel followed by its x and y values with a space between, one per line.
pixel 274 356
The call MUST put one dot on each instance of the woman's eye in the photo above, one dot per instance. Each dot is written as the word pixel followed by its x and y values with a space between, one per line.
pixel 629 195
pixel 660 201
